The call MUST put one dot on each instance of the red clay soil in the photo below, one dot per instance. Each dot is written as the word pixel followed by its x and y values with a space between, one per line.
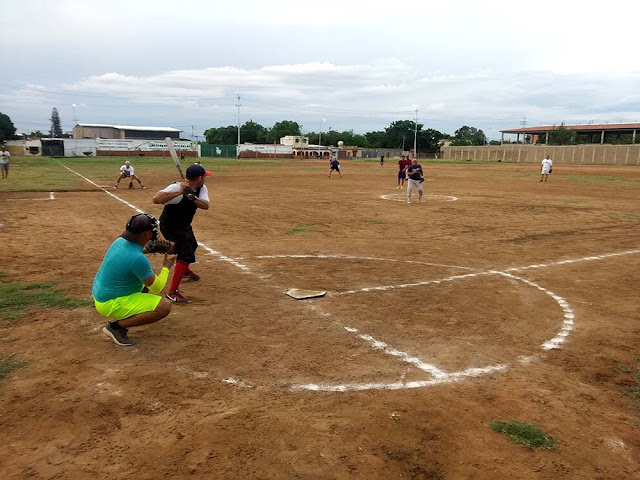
pixel 216 390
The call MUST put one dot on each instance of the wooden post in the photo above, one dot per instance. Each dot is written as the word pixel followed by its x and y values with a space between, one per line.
pixel 563 154
pixel 602 138
pixel 504 154
pixel 583 149
pixel 615 153
pixel 593 157
pixel 573 155
pixel 626 160
pixel 519 153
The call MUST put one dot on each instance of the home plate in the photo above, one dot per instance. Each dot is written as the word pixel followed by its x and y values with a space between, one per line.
pixel 299 294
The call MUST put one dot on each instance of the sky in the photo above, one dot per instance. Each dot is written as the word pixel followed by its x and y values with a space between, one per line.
pixel 343 65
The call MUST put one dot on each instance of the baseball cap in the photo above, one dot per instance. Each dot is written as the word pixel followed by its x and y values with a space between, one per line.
pixel 195 171
pixel 127 161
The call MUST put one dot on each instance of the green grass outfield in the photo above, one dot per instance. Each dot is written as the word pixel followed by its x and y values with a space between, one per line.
pixel 47 174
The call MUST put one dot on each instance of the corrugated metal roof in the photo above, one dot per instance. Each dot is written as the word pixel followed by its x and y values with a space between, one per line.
pixel 130 127
pixel 600 127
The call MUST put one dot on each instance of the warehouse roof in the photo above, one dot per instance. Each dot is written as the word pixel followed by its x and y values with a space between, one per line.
pixel 602 126
pixel 130 127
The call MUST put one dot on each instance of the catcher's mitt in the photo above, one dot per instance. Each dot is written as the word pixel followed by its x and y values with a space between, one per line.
pixel 421 179
pixel 550 170
pixel 159 245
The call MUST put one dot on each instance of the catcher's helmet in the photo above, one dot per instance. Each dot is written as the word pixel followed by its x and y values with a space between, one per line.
pixel 143 222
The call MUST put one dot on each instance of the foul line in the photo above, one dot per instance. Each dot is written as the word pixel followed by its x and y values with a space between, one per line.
pixel 351 257
pixel 439 376
pixel 210 250
pixel 490 272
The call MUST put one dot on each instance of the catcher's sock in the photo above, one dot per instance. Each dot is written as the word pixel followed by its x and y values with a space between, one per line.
pixel 116 326
pixel 178 273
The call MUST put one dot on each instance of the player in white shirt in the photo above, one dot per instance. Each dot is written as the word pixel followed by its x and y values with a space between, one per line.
pixel 546 168
pixel 126 171
pixel 4 161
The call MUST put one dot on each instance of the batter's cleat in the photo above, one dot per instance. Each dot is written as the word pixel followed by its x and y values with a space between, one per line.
pixel 142 186
pixel 115 186
pixel 118 335
pixel 192 276
pixel 177 297
pixel 131 185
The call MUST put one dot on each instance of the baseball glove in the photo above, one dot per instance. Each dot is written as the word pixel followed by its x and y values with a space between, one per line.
pixel 421 179
pixel 159 245
pixel 550 170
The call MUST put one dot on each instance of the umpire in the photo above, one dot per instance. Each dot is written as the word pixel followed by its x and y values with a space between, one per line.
pixel 181 200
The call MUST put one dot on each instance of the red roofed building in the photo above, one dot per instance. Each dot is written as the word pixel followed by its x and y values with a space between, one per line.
pixel 592 133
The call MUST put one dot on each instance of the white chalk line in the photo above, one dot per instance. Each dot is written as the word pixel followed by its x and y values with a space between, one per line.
pixel 400 197
pixel 210 250
pixel 488 272
pixel 352 257
pixel 51 196
pixel 439 375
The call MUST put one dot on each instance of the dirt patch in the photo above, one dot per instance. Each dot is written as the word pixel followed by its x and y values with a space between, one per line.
pixel 221 388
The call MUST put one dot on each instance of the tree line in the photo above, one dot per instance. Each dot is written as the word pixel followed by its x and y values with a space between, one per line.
pixel 399 134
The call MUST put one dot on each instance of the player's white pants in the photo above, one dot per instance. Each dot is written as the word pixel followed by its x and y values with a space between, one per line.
pixel 418 185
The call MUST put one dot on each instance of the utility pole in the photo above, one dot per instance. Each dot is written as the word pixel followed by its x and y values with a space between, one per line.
pixel 415 138
pixel 523 123
pixel 238 148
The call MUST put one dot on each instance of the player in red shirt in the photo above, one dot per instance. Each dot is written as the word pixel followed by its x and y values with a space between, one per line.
pixel 402 166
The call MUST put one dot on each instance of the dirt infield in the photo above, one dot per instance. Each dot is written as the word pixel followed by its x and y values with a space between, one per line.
pixel 497 298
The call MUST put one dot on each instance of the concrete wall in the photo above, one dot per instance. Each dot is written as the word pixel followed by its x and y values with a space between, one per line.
pixel 570 154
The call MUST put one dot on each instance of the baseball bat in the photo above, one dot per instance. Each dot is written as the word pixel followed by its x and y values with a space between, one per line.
pixel 174 155
pixel 176 160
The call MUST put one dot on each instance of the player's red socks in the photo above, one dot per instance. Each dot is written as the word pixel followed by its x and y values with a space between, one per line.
pixel 178 273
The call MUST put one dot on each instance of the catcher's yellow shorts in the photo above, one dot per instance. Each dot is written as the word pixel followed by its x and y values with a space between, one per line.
pixel 125 307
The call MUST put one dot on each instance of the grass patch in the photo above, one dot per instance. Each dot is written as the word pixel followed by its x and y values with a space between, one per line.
pixel 623 368
pixel 604 180
pixel 376 222
pixel 8 365
pixel 19 299
pixel 633 391
pixel 525 433
pixel 301 227
pixel 623 216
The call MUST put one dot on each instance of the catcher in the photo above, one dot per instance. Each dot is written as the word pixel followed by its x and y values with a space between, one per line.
pixel 122 285
pixel 127 171
pixel 181 200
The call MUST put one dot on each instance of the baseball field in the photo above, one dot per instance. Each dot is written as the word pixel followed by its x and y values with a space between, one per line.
pixel 497 304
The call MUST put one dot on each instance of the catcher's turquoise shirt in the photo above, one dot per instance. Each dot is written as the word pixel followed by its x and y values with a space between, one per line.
pixel 122 271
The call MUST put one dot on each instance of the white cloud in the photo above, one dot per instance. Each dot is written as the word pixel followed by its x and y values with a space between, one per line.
pixel 362 62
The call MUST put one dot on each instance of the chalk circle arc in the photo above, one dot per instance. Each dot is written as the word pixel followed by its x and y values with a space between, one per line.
pixel 442 376
pixel 402 197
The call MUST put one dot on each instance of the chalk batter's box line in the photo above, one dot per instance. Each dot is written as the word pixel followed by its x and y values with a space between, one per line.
pixel 52 196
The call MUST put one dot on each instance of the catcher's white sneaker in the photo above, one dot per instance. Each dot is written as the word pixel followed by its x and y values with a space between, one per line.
pixel 118 335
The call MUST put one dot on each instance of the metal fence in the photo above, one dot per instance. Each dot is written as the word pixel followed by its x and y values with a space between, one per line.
pixel 226 151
